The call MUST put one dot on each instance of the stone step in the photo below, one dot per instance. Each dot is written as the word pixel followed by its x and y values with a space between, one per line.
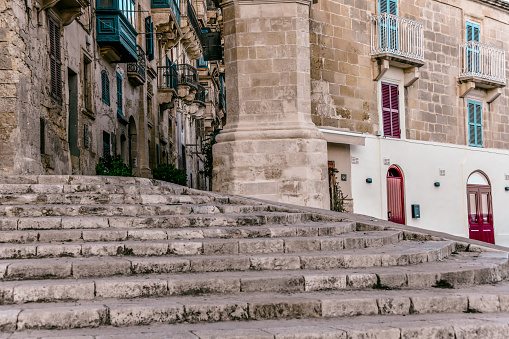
pixel 457 325
pixel 460 269
pixel 125 210
pixel 105 199
pixel 157 221
pixel 401 254
pixel 311 229
pixel 253 307
pixel 80 248
pixel 81 180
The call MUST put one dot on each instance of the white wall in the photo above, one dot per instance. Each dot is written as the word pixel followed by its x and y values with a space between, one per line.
pixel 443 208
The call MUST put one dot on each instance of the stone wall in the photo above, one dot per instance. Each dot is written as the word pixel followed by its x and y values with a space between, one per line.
pixel 343 90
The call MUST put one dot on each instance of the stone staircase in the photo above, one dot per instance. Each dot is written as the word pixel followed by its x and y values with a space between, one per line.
pixel 108 257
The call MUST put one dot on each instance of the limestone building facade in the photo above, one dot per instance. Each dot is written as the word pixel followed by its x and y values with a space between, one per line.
pixel 82 79
pixel 410 97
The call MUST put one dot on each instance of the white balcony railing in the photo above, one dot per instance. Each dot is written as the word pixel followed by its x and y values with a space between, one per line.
pixel 482 61
pixel 391 34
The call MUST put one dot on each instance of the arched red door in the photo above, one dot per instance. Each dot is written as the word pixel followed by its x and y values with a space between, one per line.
pixel 480 209
pixel 395 196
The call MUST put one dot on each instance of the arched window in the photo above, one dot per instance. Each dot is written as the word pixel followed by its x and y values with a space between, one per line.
pixel 105 84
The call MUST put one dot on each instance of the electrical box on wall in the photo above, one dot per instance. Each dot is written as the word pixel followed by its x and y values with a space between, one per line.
pixel 416 211
pixel 343 177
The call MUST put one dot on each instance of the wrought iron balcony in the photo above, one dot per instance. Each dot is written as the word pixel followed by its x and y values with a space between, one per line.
pixel 187 75
pixel 174 5
pixel 482 64
pixel 167 77
pixel 67 10
pixel 136 71
pixel 192 38
pixel 191 16
pixel 398 39
pixel 200 96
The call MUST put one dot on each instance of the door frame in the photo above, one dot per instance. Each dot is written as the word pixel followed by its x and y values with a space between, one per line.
pixel 477 188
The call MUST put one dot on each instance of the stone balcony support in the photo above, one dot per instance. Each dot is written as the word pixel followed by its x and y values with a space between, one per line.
pixel 270 148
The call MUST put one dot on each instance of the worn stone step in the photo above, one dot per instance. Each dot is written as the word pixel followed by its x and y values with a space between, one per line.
pixel 125 210
pixel 156 221
pixel 457 325
pixel 81 180
pixel 255 306
pixel 401 254
pixel 311 229
pixel 78 248
pixel 104 199
pixel 460 269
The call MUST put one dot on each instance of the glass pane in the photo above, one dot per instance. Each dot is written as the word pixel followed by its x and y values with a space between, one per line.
pixel 105 4
pixel 473 207
pixel 484 208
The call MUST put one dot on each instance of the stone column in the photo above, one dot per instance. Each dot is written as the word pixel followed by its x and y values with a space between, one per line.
pixel 269 148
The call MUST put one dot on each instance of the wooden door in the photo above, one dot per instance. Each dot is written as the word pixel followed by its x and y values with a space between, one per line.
pixel 480 213
pixel 395 196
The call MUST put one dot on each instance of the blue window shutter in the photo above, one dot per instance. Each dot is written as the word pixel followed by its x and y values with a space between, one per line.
pixel 475 123
pixel 149 38
pixel 389 6
pixel 473 32
pixel 119 93
pixel 105 84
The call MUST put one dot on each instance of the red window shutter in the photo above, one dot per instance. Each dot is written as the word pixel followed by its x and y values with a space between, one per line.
pixel 390 110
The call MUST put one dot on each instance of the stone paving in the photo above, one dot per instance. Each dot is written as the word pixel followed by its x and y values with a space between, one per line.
pixel 107 257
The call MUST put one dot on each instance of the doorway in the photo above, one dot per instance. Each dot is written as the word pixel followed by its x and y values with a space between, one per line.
pixel 395 196
pixel 480 209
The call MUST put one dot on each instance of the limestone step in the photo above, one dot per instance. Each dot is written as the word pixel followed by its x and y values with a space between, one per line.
pixel 311 229
pixel 80 180
pixel 156 221
pixel 253 307
pixel 400 254
pixel 424 326
pixel 59 188
pixel 460 269
pixel 104 199
pixel 80 248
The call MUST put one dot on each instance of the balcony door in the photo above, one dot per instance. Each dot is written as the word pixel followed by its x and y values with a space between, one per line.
pixel 395 196
pixel 389 25
pixel 480 209
pixel 473 49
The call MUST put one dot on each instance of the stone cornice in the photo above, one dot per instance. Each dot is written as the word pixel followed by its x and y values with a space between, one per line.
pixel 495 3
pixel 228 3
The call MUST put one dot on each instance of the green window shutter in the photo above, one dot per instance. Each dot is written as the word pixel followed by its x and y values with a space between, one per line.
pixel 105 86
pixel 119 94
pixel 389 6
pixel 473 32
pixel 149 38
pixel 475 123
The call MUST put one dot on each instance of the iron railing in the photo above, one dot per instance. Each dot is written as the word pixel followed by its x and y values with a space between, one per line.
pixel 173 4
pixel 200 94
pixel 167 77
pixel 173 75
pixel 483 61
pixel 139 67
pixel 191 17
pixel 391 34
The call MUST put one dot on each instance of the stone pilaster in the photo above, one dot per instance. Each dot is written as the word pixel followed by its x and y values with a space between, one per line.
pixel 269 148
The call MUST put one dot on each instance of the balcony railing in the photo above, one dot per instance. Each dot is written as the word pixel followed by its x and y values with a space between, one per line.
pixel 200 94
pixel 482 61
pixel 391 34
pixel 187 75
pixel 167 77
pixel 137 70
pixel 173 4
pixel 191 17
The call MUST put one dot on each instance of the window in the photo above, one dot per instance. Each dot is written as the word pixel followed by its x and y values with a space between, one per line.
pixel 473 49
pixel 86 139
pixel 42 136
pixel 106 144
pixel 55 58
pixel 389 25
pixel 475 123
pixel 119 94
pixel 389 6
pixel 201 63
pixel 105 85
pixel 149 38
pixel 390 110
pixel 127 9
pixel 87 85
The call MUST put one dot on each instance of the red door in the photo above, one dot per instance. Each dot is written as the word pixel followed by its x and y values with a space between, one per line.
pixel 395 196
pixel 480 213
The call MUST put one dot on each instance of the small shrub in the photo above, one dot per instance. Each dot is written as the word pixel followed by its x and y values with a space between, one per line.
pixel 168 172
pixel 443 284
pixel 114 166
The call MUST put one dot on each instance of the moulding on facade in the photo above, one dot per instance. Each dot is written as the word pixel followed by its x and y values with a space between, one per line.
pixel 228 3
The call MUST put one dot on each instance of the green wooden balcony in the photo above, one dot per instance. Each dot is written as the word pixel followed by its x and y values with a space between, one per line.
pixel 116 33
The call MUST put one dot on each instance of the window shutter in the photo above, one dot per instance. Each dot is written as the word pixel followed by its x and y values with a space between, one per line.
pixel 149 38
pixel 55 59
pixel 473 32
pixel 86 140
pixel 106 144
pixel 390 110
pixel 475 123
pixel 119 94
pixel 393 7
pixel 105 85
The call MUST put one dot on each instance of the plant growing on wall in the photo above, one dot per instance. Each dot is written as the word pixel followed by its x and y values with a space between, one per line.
pixel 338 199
pixel 114 166
pixel 168 172
pixel 207 152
